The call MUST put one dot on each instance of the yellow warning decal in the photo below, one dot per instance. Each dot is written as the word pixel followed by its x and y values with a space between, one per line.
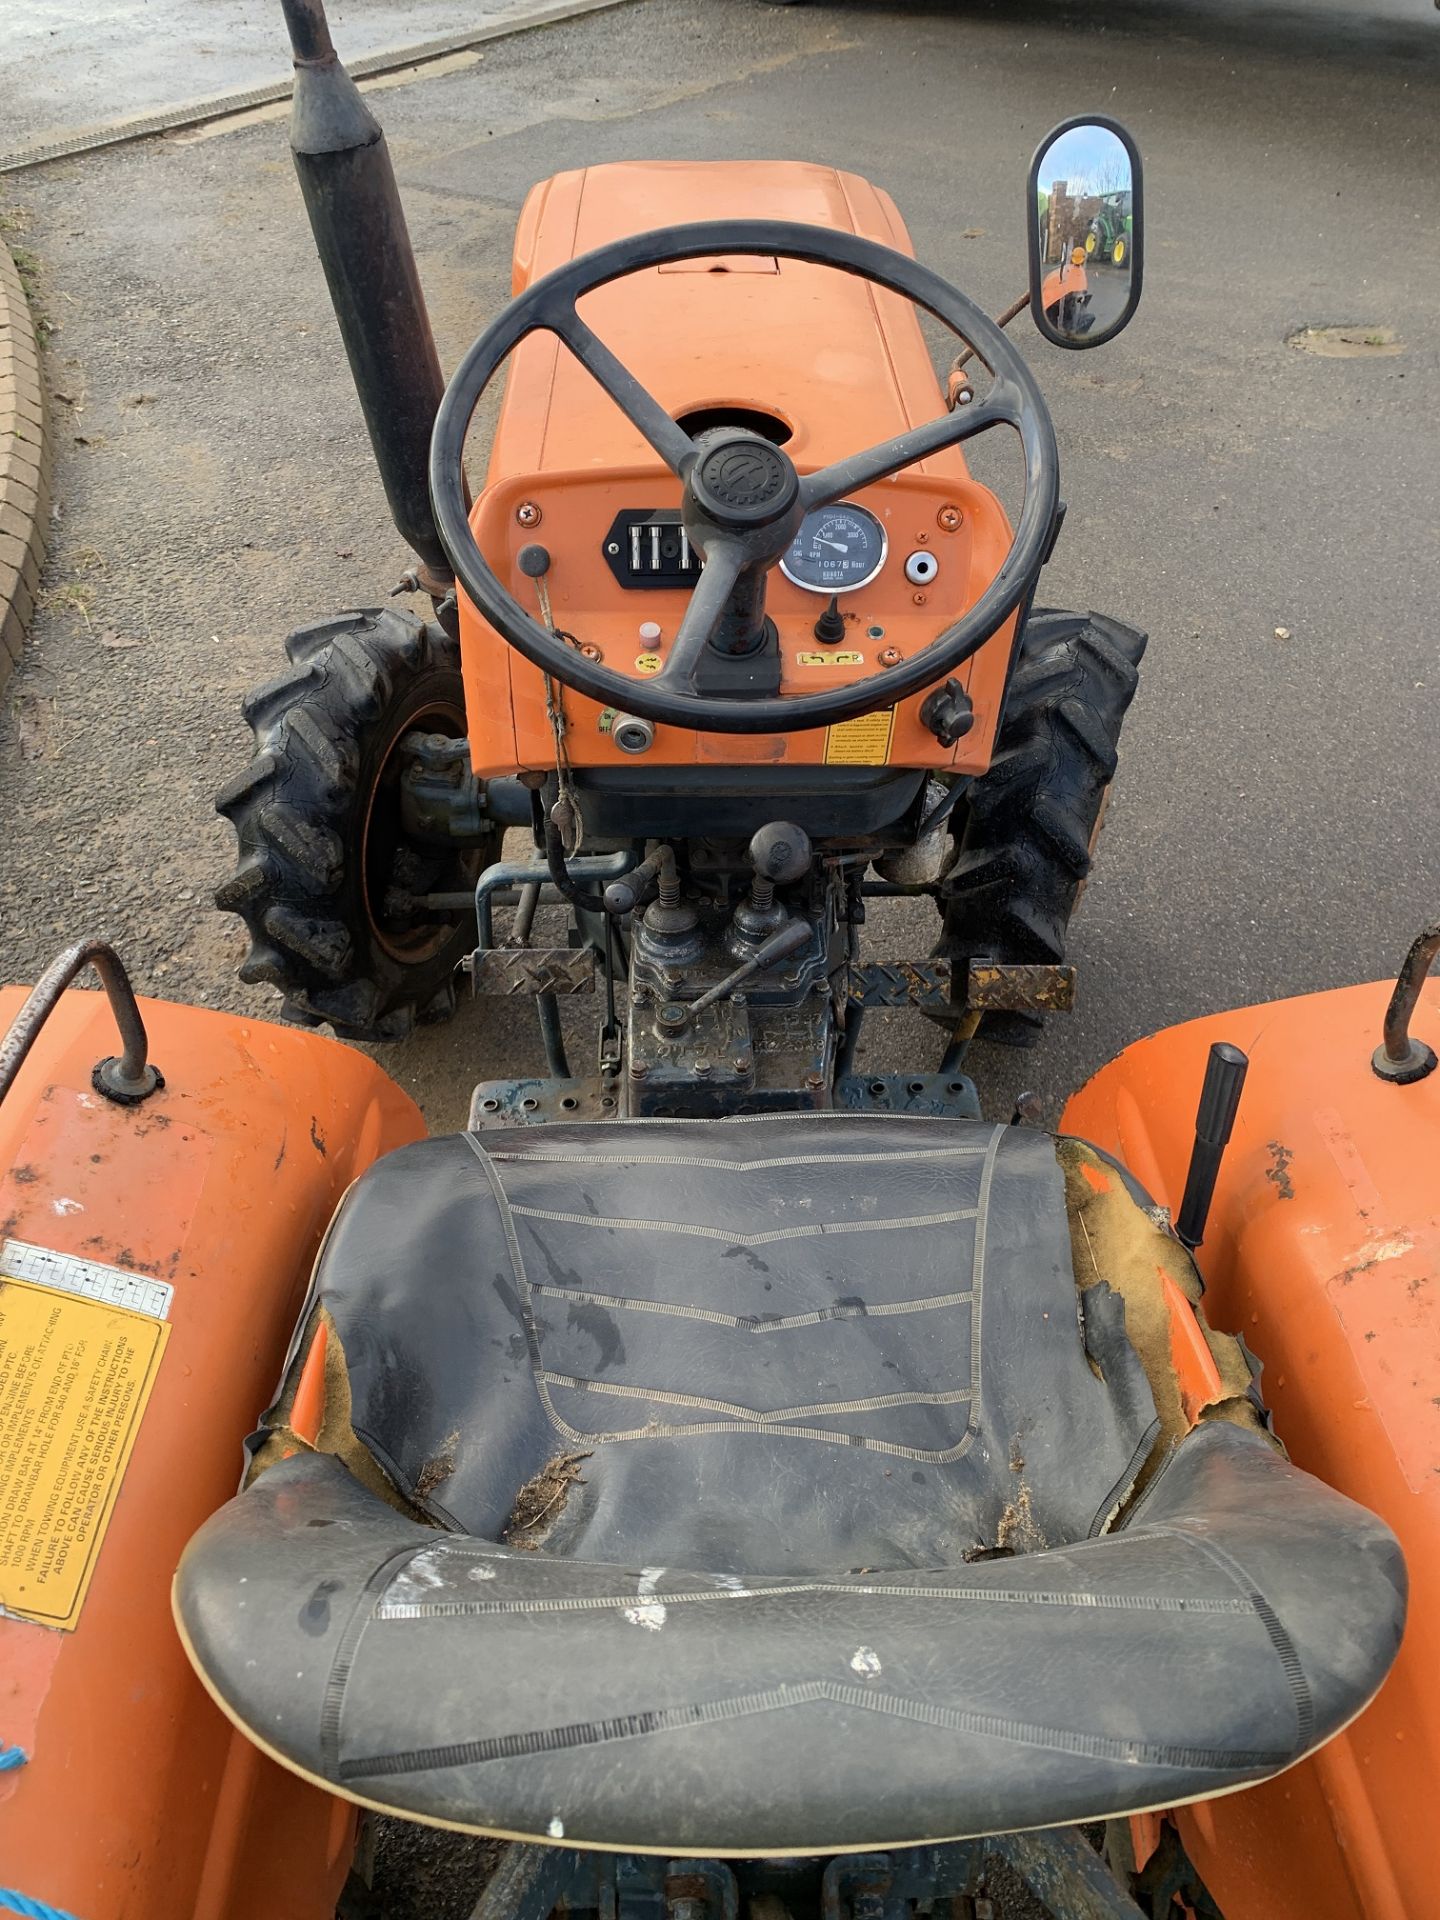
pixel 649 662
pixel 75 1377
pixel 860 743
pixel 847 657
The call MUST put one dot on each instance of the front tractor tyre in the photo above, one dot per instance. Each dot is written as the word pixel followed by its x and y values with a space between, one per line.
pixel 327 871
pixel 1025 834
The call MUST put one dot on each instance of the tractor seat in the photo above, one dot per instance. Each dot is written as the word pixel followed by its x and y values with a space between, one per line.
pixel 793 1484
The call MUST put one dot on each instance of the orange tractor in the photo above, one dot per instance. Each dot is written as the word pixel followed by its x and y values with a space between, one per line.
pixel 729 1480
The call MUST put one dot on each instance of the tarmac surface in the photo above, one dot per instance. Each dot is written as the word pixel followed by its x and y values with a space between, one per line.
pixel 72 64
pixel 1272 517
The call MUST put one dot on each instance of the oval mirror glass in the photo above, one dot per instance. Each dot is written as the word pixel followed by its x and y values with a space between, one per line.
pixel 1086 239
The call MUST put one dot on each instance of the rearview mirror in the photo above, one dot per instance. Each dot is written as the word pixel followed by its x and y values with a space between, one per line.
pixel 1085 215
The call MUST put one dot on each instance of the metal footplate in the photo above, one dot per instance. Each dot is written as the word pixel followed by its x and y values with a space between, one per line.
pixel 508 971
pixel 539 1100
pixel 928 985
pixel 1057 1867
pixel 935 1096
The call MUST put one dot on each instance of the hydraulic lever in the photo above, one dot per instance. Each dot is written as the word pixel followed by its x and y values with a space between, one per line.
pixel 1225 1072
pixel 790 938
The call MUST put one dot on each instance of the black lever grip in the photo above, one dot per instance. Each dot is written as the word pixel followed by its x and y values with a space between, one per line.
pixel 1225 1072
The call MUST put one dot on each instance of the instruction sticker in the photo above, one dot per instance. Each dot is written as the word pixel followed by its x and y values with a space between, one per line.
pixel 847 657
pixel 864 742
pixel 76 1373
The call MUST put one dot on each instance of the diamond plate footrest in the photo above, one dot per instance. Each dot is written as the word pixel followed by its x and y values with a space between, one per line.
pixel 991 988
pixel 532 970
pixel 988 987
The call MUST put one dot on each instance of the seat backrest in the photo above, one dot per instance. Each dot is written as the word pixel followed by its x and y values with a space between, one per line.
pixel 800 1343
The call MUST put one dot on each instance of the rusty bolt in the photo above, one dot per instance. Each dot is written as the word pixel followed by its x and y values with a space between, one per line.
pixel 890 656
pixel 700 1069
pixel 742 1063
pixel 948 519
pixel 638 1069
pixel 813 1079
pixel 590 650
pixel 528 514
pixel 919 599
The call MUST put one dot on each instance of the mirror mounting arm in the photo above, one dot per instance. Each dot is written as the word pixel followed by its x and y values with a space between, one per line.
pixel 958 390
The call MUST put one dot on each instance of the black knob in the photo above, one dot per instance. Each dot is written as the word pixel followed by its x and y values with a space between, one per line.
pixel 1219 1101
pixel 947 712
pixel 830 627
pixel 534 561
pixel 621 897
pixel 780 852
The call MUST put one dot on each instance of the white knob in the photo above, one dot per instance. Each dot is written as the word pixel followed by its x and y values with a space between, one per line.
pixel 921 568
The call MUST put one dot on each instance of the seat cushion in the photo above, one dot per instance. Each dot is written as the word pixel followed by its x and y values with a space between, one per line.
pixel 791 1345
pixel 1242 1616
pixel 787 1485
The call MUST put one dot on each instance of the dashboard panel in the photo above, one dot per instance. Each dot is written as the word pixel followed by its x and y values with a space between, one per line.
pixel 900 561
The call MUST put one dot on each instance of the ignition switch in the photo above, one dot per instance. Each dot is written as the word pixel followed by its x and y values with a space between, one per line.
pixel 921 568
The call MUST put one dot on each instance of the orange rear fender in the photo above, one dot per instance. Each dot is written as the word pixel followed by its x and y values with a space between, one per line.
pixel 1323 1250
pixel 136 1798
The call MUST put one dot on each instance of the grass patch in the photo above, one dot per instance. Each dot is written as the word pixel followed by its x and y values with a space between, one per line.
pixel 69 596
pixel 13 222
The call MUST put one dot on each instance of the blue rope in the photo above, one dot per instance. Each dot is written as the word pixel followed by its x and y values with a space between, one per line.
pixel 28 1909
pixel 12 1757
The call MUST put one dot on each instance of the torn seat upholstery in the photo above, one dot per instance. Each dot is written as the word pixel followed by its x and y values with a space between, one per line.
pixel 793 1484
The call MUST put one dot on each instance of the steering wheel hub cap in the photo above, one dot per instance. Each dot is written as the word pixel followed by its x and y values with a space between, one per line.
pixel 744 481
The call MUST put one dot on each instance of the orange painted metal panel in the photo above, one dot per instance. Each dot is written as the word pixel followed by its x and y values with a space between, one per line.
pixel 1324 1251
pixel 841 363
pixel 138 1800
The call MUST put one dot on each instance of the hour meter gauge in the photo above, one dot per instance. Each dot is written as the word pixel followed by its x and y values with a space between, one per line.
pixel 836 550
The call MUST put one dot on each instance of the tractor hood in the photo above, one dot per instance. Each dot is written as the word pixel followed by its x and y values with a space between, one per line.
pixel 835 362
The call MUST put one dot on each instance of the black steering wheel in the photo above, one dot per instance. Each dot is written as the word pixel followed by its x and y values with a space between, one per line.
pixel 743 500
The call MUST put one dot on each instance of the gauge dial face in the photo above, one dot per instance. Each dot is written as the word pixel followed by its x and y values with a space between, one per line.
pixel 836 550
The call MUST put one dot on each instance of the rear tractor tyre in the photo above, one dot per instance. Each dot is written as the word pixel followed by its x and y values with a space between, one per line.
pixel 323 851
pixel 1024 837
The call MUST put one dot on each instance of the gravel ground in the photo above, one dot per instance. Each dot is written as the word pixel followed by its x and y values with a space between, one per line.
pixel 1272 517
pixel 1274 828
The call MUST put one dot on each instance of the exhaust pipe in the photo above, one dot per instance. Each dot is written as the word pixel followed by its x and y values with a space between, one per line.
pixel 359 226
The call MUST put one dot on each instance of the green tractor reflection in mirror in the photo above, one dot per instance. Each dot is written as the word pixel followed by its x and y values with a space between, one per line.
pixel 1086 232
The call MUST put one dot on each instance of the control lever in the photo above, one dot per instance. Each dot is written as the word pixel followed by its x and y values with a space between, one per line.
pixel 1225 1072
pixel 790 938
pixel 632 889
pixel 780 854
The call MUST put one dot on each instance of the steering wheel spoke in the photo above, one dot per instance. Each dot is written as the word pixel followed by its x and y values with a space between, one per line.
pixel 636 402
pixel 844 477
pixel 706 609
